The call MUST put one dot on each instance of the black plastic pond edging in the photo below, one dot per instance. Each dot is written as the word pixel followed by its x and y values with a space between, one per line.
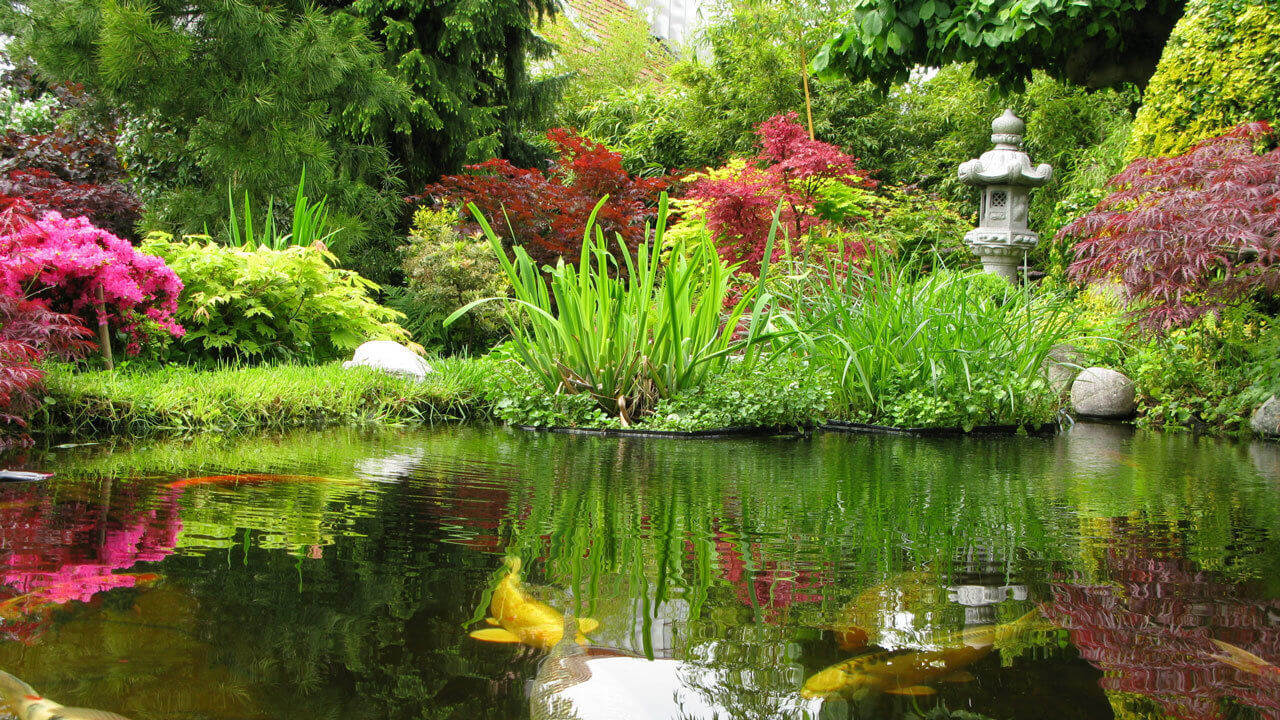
pixel 1043 430
pixel 622 433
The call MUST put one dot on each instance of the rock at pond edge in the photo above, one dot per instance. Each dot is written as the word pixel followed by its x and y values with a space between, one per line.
pixel 390 357
pixel 1103 393
pixel 1266 419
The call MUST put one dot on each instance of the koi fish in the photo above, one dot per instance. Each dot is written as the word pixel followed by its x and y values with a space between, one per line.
pixel 1242 659
pixel 27 704
pixel 236 479
pixel 520 618
pixel 861 616
pixel 910 672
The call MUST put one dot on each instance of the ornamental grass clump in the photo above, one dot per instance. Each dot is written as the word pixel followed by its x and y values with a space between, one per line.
pixel 944 349
pixel 628 329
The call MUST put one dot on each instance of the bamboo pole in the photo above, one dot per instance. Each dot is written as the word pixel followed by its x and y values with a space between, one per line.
pixel 804 77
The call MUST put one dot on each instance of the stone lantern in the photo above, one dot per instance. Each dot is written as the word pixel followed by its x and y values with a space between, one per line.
pixel 1006 177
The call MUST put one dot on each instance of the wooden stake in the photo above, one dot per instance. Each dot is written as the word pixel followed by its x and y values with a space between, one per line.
pixel 104 332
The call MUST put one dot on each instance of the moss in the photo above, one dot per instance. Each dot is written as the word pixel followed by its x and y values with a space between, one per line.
pixel 1221 67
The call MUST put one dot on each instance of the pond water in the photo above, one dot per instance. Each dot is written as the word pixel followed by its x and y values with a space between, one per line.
pixel 338 574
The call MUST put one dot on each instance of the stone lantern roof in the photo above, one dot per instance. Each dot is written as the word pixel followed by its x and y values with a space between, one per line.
pixel 1006 164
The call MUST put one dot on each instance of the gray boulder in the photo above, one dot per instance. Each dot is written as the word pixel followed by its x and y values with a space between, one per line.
pixel 390 357
pixel 1061 366
pixel 1266 419
pixel 1103 393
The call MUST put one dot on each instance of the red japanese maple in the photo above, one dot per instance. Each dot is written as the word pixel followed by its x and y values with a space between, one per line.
pixel 1188 234
pixel 28 332
pixel 789 171
pixel 546 212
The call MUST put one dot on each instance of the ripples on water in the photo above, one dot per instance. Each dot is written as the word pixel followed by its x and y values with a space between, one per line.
pixel 336 574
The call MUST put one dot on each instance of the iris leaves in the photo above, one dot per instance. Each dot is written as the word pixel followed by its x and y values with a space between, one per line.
pixel 627 327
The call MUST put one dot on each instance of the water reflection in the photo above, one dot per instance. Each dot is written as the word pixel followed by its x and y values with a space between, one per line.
pixel 723 575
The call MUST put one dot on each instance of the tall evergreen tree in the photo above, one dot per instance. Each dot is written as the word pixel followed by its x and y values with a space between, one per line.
pixel 465 63
pixel 224 93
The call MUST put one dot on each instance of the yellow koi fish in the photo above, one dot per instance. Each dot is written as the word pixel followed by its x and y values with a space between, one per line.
pixel 910 672
pixel 27 704
pixel 858 624
pixel 1242 659
pixel 520 618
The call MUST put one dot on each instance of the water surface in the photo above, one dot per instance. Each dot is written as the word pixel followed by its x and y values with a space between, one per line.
pixel 336 574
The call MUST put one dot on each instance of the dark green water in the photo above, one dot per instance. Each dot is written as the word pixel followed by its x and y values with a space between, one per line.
pixel 347 590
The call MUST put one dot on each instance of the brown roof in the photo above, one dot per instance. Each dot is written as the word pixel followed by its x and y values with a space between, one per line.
pixel 595 18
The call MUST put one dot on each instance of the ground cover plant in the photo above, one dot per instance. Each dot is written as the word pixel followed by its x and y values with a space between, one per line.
pixel 944 349
pixel 625 329
pixel 264 304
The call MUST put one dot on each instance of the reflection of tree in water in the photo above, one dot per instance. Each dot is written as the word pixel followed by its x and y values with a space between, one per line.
pixel 748 672
pixel 374 629
pixel 1148 621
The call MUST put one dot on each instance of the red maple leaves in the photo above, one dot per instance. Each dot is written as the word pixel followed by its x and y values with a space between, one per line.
pixel 1188 234
pixel 545 211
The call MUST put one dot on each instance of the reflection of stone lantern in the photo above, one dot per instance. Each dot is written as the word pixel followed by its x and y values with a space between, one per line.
pixel 1005 175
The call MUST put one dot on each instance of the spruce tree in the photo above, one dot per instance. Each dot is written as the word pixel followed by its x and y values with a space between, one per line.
pixel 465 62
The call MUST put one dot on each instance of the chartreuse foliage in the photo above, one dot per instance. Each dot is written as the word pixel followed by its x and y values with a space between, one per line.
pixel 947 349
pixel 627 329
pixel 270 304
pixel 1220 68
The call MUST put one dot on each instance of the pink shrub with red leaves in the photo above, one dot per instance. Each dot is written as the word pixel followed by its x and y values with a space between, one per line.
pixel 1188 234
pixel 28 333
pixel 63 263
pixel 789 171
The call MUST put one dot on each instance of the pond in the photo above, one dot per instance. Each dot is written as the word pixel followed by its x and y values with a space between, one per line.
pixel 339 574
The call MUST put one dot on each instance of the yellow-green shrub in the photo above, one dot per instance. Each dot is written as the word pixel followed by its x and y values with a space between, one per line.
pixel 1221 67
pixel 269 304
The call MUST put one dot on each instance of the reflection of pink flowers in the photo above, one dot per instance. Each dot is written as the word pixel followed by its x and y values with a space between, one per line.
pixel 57 556
pixel 771 585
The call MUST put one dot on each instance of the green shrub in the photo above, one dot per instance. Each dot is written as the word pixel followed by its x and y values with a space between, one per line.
pixel 947 349
pixel 269 304
pixel 446 271
pixel 1220 67
pixel 1210 374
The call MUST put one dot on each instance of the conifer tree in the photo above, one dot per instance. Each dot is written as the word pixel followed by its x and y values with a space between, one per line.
pixel 224 93
pixel 465 62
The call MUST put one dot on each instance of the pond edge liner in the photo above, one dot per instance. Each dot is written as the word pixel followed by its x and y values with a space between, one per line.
pixel 686 434
pixel 1048 429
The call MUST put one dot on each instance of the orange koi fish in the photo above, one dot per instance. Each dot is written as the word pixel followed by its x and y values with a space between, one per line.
pixel 1242 659
pixel 27 704
pixel 520 618
pixel 237 479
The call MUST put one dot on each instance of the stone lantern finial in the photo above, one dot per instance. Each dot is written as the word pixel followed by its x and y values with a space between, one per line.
pixel 1006 176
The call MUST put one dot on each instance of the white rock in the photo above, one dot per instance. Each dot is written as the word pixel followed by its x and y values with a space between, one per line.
pixel 1266 419
pixel 390 357
pixel 1099 392
pixel 1061 366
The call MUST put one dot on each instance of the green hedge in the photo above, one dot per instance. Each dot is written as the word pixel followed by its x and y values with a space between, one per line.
pixel 1221 67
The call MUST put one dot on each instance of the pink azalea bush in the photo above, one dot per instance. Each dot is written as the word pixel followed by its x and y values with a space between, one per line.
pixel 63 262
